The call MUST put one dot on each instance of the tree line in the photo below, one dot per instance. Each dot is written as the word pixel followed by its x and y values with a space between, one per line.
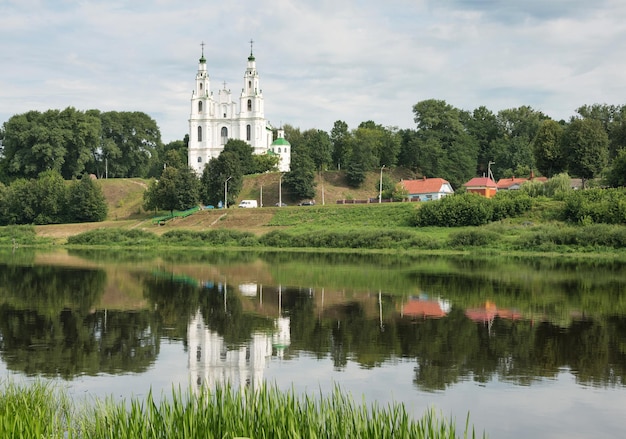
pixel 446 142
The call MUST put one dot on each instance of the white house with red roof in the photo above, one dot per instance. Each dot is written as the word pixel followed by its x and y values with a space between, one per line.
pixel 427 189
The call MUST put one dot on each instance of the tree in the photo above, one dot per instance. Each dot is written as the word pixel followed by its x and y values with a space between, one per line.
pixel 213 181
pixel 483 126
pixel 243 152
pixel 513 149
pixel 340 139
pixel 129 140
pixel 52 193
pixel 265 163
pixel 613 120
pixel 176 189
pixel 319 146
pixel 617 173
pixel 301 178
pixel 586 146
pixel 55 140
pixel 86 201
pixel 547 148
pixel 442 144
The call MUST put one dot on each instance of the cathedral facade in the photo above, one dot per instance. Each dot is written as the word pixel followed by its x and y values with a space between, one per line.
pixel 216 119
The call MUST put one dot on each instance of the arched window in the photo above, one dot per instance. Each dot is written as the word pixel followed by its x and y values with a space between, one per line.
pixel 199 106
pixel 249 84
pixel 249 104
pixel 199 134
pixel 201 86
pixel 224 135
pixel 248 132
pixel 199 159
pixel 279 150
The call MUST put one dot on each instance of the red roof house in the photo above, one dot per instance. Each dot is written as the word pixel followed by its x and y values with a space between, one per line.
pixel 424 308
pixel 484 186
pixel 427 189
pixel 510 183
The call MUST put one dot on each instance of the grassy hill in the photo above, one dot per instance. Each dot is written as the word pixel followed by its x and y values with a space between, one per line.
pixel 125 199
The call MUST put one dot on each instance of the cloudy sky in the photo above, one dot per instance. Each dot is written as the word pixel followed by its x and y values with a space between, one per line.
pixel 319 61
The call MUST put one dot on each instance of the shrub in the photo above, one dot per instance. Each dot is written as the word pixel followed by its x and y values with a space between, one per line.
pixel 473 238
pixel 107 236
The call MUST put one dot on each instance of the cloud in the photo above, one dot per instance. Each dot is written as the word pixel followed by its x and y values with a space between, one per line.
pixel 319 61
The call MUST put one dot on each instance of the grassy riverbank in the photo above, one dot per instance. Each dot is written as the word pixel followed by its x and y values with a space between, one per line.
pixel 40 410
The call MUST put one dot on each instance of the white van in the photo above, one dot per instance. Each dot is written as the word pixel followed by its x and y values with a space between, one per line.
pixel 248 203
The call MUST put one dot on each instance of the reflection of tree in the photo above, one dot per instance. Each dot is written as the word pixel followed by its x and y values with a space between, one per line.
pixel 71 343
pixel 222 312
pixel 50 289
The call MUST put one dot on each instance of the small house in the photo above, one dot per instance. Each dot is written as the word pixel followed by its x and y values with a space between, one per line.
pixel 427 189
pixel 484 186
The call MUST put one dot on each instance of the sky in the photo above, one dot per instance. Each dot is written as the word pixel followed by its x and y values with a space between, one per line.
pixel 318 61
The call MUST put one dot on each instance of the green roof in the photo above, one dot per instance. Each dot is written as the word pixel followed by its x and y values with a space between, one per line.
pixel 280 141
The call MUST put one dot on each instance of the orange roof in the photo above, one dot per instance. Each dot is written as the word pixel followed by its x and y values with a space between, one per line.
pixel 425 185
pixel 423 308
pixel 505 183
pixel 480 182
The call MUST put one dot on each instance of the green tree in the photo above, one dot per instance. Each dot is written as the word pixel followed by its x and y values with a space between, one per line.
pixel 586 146
pixel 443 145
pixel 54 140
pixel 301 178
pixel 319 146
pixel 86 202
pixel 243 152
pixel 483 126
pixel 340 139
pixel 176 189
pixel 214 176
pixel 129 140
pixel 265 163
pixel 513 148
pixel 547 148
pixel 613 120
pixel 20 202
pixel 170 154
pixel 617 173
pixel 52 193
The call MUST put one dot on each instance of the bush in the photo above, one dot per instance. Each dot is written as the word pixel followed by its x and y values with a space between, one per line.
pixel 108 236
pixel 595 206
pixel 473 238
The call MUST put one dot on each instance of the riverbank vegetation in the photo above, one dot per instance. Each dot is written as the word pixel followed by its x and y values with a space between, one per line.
pixel 41 410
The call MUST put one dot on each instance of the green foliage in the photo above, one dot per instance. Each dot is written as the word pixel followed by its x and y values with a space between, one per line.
pixel 244 152
pixel 547 148
pixel 18 235
pixel 366 239
pixel 471 210
pixel 222 174
pixel 558 186
pixel 532 188
pixel 113 236
pixel 592 236
pixel 300 180
pixel 265 163
pixel 222 412
pixel 617 172
pixel 477 237
pixel 177 189
pixel 219 237
pixel 586 146
pixel 86 202
pixel 595 206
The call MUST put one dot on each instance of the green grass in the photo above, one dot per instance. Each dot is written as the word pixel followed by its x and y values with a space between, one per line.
pixel 39 411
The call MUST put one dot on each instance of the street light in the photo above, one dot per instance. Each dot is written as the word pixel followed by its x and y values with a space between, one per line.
pixel 226 192
pixel 280 190
pixel 380 187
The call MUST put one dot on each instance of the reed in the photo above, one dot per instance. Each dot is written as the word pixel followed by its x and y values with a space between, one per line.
pixel 40 411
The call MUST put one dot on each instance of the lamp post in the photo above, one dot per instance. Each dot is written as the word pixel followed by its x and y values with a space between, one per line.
pixel 280 190
pixel 380 187
pixel 226 192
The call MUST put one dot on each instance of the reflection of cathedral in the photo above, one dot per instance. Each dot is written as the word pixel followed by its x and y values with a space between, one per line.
pixel 211 362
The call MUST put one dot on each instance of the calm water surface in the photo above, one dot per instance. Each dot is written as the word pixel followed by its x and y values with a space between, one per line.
pixel 530 348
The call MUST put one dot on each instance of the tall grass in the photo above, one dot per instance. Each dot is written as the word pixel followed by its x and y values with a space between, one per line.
pixel 39 411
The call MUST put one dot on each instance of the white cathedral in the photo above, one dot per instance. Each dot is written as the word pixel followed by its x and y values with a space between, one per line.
pixel 214 120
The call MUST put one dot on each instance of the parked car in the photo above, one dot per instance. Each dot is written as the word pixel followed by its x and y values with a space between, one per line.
pixel 307 203
pixel 280 204
pixel 248 203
